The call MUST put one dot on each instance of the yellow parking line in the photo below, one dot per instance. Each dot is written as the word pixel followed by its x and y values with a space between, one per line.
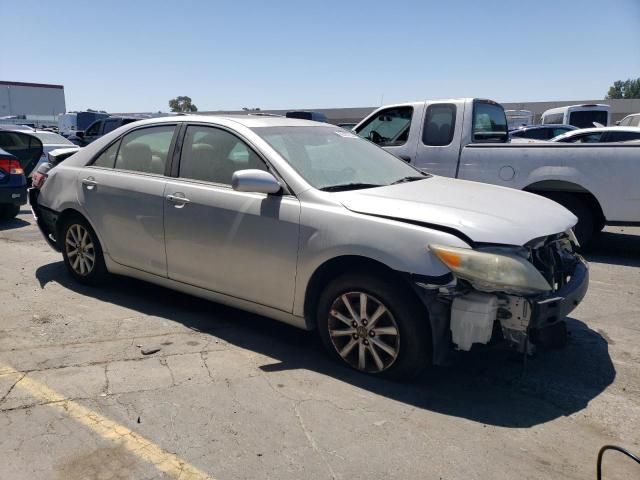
pixel 109 430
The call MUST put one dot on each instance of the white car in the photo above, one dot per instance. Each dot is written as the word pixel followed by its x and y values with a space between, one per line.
pixel 50 141
pixel 599 135
pixel 307 223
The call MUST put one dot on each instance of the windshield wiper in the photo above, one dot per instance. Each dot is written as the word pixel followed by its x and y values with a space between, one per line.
pixel 349 186
pixel 411 178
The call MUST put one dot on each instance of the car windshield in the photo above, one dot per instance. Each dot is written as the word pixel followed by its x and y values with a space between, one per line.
pixel 329 158
pixel 48 138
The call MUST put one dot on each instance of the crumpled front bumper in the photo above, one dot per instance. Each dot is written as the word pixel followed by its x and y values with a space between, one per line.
pixel 552 309
pixel 561 303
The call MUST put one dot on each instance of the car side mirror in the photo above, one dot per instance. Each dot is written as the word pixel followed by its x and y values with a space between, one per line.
pixel 256 181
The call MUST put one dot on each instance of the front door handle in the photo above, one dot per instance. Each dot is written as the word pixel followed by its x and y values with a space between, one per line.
pixel 90 183
pixel 406 158
pixel 179 200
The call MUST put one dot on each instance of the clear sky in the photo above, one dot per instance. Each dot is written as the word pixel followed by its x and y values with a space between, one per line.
pixel 127 56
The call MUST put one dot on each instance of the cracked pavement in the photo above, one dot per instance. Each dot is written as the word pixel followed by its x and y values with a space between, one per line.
pixel 238 396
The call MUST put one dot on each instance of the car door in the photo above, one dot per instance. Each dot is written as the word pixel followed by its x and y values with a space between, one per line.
pixel 236 243
pixel 122 192
pixel 394 129
pixel 438 148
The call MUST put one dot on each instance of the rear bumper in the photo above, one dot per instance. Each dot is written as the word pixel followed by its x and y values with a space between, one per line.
pixel 46 219
pixel 13 195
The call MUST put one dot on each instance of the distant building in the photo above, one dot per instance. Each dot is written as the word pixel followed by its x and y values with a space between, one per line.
pixel 37 103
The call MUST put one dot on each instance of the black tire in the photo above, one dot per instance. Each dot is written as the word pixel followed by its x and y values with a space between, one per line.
pixel 97 274
pixel 9 211
pixel 585 227
pixel 412 344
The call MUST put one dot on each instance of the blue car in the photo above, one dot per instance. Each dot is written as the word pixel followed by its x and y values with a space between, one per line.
pixel 13 186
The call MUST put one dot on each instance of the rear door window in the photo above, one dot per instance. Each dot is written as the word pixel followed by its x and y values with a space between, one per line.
pixel 622 136
pixel 559 131
pixel 586 138
pixel 489 123
pixel 388 127
pixel 107 159
pixel 439 124
pixel 145 150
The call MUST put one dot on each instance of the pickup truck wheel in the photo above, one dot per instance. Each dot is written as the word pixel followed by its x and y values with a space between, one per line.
pixel 82 252
pixel 374 327
pixel 9 211
pixel 585 227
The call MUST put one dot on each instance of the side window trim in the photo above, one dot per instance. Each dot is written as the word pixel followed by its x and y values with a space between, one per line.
pixel 118 140
pixel 179 147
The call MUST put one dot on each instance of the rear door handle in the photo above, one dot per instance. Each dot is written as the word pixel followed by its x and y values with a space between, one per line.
pixel 90 183
pixel 179 200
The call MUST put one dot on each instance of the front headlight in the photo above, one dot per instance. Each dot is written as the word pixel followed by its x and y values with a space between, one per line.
pixel 492 271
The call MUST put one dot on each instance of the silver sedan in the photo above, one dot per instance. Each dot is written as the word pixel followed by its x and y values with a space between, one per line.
pixel 308 224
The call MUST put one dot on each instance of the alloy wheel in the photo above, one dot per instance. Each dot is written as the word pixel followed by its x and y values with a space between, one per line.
pixel 80 249
pixel 364 332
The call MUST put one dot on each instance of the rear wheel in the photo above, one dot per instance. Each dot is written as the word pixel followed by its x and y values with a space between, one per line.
pixel 82 251
pixel 374 327
pixel 9 211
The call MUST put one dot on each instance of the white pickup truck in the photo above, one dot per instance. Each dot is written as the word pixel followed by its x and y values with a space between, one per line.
pixel 468 139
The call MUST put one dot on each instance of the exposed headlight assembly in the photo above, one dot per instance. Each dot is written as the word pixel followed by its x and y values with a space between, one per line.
pixel 493 272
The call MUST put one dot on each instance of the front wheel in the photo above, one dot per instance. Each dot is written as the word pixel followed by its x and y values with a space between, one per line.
pixel 374 326
pixel 82 252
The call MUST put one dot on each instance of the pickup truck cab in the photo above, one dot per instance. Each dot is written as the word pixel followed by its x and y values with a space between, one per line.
pixel 99 128
pixel 468 138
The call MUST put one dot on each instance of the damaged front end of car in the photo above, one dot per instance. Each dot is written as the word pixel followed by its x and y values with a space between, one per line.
pixel 521 293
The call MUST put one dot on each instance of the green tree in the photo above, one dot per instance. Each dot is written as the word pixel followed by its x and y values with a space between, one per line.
pixel 629 88
pixel 182 104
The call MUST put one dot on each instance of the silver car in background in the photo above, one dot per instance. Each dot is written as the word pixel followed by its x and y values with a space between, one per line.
pixel 307 223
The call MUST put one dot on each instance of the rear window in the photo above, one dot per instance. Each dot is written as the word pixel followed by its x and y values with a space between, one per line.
pixel 439 124
pixel 623 136
pixel 51 138
pixel 489 123
pixel 586 118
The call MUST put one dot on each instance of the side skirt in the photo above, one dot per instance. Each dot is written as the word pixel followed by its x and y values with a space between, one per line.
pixel 228 300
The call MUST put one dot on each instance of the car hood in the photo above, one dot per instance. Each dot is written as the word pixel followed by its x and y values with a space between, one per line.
pixel 484 213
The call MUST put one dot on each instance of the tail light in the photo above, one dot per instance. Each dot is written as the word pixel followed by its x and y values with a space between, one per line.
pixel 12 167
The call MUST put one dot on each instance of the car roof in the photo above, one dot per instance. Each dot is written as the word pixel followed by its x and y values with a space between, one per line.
pixel 547 125
pixel 604 129
pixel 249 121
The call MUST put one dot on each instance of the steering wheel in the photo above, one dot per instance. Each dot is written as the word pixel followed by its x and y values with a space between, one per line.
pixel 375 137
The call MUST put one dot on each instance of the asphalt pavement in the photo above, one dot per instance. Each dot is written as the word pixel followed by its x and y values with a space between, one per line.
pixel 230 395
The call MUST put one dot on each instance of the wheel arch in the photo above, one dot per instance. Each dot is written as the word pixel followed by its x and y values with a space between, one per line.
pixel 74 212
pixel 563 186
pixel 335 267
